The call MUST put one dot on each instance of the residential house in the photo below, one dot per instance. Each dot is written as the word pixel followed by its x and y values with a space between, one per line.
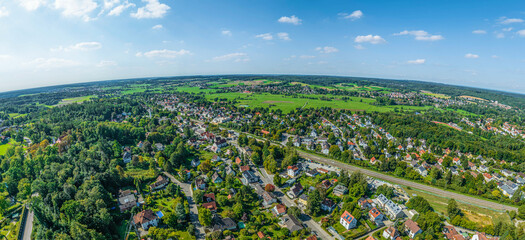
pixel 365 203
pixel 126 157
pixel 390 233
pixel 209 197
pixel 248 177
pixel 221 224
pixel 482 236
pixel 126 202
pixel 325 184
pixel 159 183
pixel 195 162
pixel 216 158
pixel 411 228
pixel 293 171
pixel 268 199
pixel 348 221
pixel 145 219
pixel 290 222
pixel 244 168
pixel 200 184
pixel 312 173
pixel 215 178
pixel 212 206
pixel 376 216
pixel 392 209
pixel 451 233
pixel 328 205
pixel 340 190
pixel 303 199
pixel 279 210
pixel 295 190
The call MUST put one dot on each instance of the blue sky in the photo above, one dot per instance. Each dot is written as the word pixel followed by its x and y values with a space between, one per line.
pixel 474 43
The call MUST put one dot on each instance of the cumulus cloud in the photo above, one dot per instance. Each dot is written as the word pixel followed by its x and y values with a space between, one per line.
pixel 507 29
pixel 505 20
pixel 164 53
pixel 306 57
pixel 31 5
pixel 106 63
pixel 4 12
pixel 76 8
pixel 157 27
pixel 417 61
pixel 153 9
pixel 110 3
pixel 471 55
pixel 50 63
pixel 120 8
pixel 373 39
pixel 521 33
pixel 479 32
pixel 327 49
pixel 236 57
pixel 226 33
pixel 292 20
pixel 357 14
pixel 283 36
pixel 421 35
pixel 265 36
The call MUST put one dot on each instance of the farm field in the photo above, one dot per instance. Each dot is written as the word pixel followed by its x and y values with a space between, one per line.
pixel 4 147
pixel 287 103
pixel 75 100
pixel 437 95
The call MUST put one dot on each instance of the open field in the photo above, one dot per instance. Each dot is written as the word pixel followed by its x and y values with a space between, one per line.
pixel 482 216
pixel 4 147
pixel 471 97
pixel 75 100
pixel 288 103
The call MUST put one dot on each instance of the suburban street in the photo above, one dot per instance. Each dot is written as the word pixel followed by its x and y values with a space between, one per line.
pixel 312 224
pixel 194 212
pixel 28 228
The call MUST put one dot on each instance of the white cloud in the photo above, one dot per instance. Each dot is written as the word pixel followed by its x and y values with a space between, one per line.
pixel 226 33
pixel 4 12
pixel 76 8
pixel 352 16
pixel 31 5
pixel 82 46
pixel 236 57
pixel 370 39
pixel 505 20
pixel 49 63
pixel 153 9
pixel 4 57
pixel 417 61
pixel 157 27
pixel 283 36
pixel 471 55
pixel 521 33
pixel 105 63
pixel 327 49
pixel 110 3
pixel 479 32
pixel 359 47
pixel 507 29
pixel 265 36
pixel 164 53
pixel 120 8
pixel 421 35
pixel 500 35
pixel 293 20
pixel 306 57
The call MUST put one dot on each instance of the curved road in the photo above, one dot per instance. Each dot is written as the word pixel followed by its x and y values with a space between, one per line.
pixel 437 191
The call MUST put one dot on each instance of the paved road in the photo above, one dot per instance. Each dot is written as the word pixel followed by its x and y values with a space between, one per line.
pixel 437 191
pixel 28 229
pixel 194 212
pixel 312 224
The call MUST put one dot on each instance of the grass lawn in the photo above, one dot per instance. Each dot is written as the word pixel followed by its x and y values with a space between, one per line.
pixel 184 235
pixel 195 90
pixel 476 214
pixel 4 147
pixel 140 88
pixel 75 100
pixel 360 229
pixel 17 115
